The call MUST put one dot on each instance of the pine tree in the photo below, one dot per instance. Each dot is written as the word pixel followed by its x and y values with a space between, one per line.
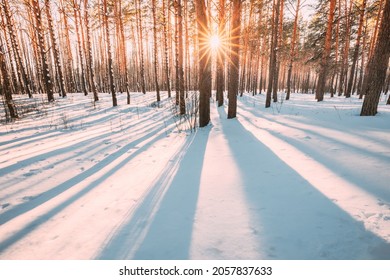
pixel 182 104
pixel 273 56
pixel 292 50
pixel 221 53
pixel 54 47
pixel 15 46
pixel 324 64
pixel 356 49
pixel 89 53
pixel 46 77
pixel 204 63
pixel 6 87
pixel 109 54
pixel 235 59
pixel 377 66
pixel 76 8
pixel 138 8
pixel 155 51
pixel 166 56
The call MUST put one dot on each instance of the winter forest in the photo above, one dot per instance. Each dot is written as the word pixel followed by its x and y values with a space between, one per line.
pixel 202 129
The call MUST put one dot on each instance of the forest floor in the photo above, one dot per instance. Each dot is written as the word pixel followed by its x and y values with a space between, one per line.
pixel 300 180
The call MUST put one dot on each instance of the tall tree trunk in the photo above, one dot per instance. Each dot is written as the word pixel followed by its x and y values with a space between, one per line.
pixel 76 7
pixel 176 43
pixel 356 49
pixel 335 74
pixel 204 63
pixel 47 81
pixel 89 52
pixel 14 82
pixel 326 54
pixel 273 56
pixel 56 54
pixel 12 34
pixel 278 52
pixel 221 53
pixel 244 51
pixel 344 64
pixel 187 63
pixel 155 51
pixel 235 59
pixel 362 65
pixel 141 47
pixel 68 57
pixel 6 87
pixel 375 35
pixel 182 104
pixel 123 49
pixel 377 66
pixel 166 56
pixel 292 50
pixel 109 55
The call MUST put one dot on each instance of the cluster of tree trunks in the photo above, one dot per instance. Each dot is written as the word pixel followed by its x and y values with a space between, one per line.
pixel 104 46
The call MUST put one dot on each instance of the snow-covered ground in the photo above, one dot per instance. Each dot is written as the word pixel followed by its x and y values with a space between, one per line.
pixel 300 180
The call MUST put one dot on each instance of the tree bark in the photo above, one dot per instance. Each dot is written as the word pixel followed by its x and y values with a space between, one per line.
pixel 204 63
pixel 48 85
pixel 356 49
pixel 273 55
pixel 326 54
pixel 56 54
pixel 166 56
pixel 76 7
pixel 377 66
pixel 141 47
pixel 89 52
pixel 6 88
pixel 15 46
pixel 109 55
pixel 235 59
pixel 158 98
pixel 182 103
pixel 221 53
pixel 292 51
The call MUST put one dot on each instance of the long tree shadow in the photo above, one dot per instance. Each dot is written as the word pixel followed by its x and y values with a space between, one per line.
pixel 291 218
pixel 357 176
pixel 162 224
pixel 20 209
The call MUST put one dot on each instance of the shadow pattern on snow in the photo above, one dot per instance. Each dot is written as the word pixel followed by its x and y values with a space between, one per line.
pixel 161 226
pixel 291 218
pixel 329 159
pixel 151 137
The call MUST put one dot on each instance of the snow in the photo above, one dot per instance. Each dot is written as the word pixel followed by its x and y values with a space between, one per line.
pixel 300 180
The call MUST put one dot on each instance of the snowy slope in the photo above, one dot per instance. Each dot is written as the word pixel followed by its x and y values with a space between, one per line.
pixel 301 180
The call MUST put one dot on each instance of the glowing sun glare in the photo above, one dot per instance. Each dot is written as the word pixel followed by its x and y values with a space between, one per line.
pixel 215 42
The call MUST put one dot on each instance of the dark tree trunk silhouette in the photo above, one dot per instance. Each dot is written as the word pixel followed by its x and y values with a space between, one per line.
pixel 221 53
pixel 46 77
pixel 158 98
pixel 273 56
pixel 235 59
pixel 292 51
pixel 356 49
pixel 377 66
pixel 204 63
pixel 109 55
pixel 6 86
pixel 54 47
pixel 324 64
pixel 15 46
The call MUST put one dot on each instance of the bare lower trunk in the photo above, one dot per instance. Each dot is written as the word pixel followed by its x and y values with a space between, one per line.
pixel 377 66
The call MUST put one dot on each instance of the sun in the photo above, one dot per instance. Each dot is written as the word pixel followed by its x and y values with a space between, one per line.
pixel 215 42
